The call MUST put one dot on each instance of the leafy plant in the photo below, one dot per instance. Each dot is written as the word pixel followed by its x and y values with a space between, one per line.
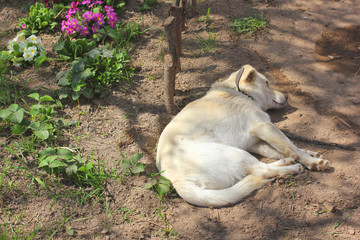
pixel 69 50
pixel 132 165
pixel 147 5
pixel 159 184
pixel 71 165
pixel 123 35
pixel 25 51
pixel 40 17
pixel 100 68
pixel 249 24
pixel 63 160
pixel 206 45
pixel 206 17
pixel 40 119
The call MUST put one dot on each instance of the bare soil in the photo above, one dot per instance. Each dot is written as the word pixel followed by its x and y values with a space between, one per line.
pixel 310 50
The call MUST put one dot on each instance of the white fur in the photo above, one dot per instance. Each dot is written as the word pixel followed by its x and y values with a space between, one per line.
pixel 205 149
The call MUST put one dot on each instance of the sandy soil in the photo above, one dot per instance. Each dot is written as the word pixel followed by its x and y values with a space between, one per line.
pixel 311 51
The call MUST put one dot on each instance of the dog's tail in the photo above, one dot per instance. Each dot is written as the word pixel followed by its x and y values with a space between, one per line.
pixel 196 195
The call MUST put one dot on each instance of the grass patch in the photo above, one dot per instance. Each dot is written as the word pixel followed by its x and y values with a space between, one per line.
pixel 249 25
pixel 206 45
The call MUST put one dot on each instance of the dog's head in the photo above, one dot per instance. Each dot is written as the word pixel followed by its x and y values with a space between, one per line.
pixel 250 82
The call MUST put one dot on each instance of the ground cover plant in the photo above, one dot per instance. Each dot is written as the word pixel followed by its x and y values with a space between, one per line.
pixel 249 25
pixel 85 168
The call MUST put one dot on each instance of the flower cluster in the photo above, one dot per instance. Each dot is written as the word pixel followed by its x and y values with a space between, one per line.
pixel 25 49
pixel 88 16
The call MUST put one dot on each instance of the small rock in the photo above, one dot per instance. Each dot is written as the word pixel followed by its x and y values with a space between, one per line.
pixel 329 206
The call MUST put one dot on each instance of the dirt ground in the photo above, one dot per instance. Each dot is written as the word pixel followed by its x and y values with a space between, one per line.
pixel 310 50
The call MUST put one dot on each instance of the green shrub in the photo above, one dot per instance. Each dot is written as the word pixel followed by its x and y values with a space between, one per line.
pixel 249 24
pixel 89 76
pixel 69 50
pixel 40 119
pixel 40 17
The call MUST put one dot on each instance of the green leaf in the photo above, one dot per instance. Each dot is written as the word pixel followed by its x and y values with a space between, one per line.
pixel 17 116
pixel 35 96
pixel 13 107
pixel 39 60
pixel 5 113
pixel 42 134
pixel 86 74
pixel 127 164
pixel 36 109
pixel 60 77
pixel 138 168
pixel 56 164
pixel 41 183
pixel 71 169
pixel 69 230
pixel 46 98
pixel 47 161
pixel 89 166
pixel 79 66
pixel 46 152
pixel 45 126
pixel 164 186
pixel 67 154
pixel 75 96
pixel 35 126
pixel 18 129
pixel 136 157
pixel 88 93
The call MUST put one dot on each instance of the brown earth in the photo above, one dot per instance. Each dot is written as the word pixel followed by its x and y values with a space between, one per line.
pixel 310 50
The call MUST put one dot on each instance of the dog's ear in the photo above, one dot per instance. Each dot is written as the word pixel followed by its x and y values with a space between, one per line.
pixel 249 76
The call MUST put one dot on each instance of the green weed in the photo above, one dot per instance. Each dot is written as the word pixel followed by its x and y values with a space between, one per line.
pixel 206 17
pixel 206 45
pixel 39 118
pixel 39 18
pixel 168 230
pixel 132 165
pixel 159 184
pixel 100 68
pixel 249 25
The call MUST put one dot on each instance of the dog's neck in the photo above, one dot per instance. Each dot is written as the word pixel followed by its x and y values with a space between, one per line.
pixel 246 94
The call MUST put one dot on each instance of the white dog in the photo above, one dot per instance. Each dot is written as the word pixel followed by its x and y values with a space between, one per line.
pixel 205 150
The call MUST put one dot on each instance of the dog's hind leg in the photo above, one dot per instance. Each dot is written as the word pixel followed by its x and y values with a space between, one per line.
pixel 269 133
pixel 264 149
pixel 279 168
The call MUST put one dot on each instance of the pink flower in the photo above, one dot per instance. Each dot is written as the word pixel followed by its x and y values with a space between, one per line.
pixel 109 9
pixel 96 2
pixel 23 26
pixel 85 2
pixel 95 28
pixel 88 15
pixel 98 17
pixel 84 31
pixel 78 28
pixel 64 25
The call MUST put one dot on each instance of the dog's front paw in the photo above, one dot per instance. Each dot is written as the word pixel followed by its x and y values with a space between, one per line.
pixel 312 153
pixel 319 165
